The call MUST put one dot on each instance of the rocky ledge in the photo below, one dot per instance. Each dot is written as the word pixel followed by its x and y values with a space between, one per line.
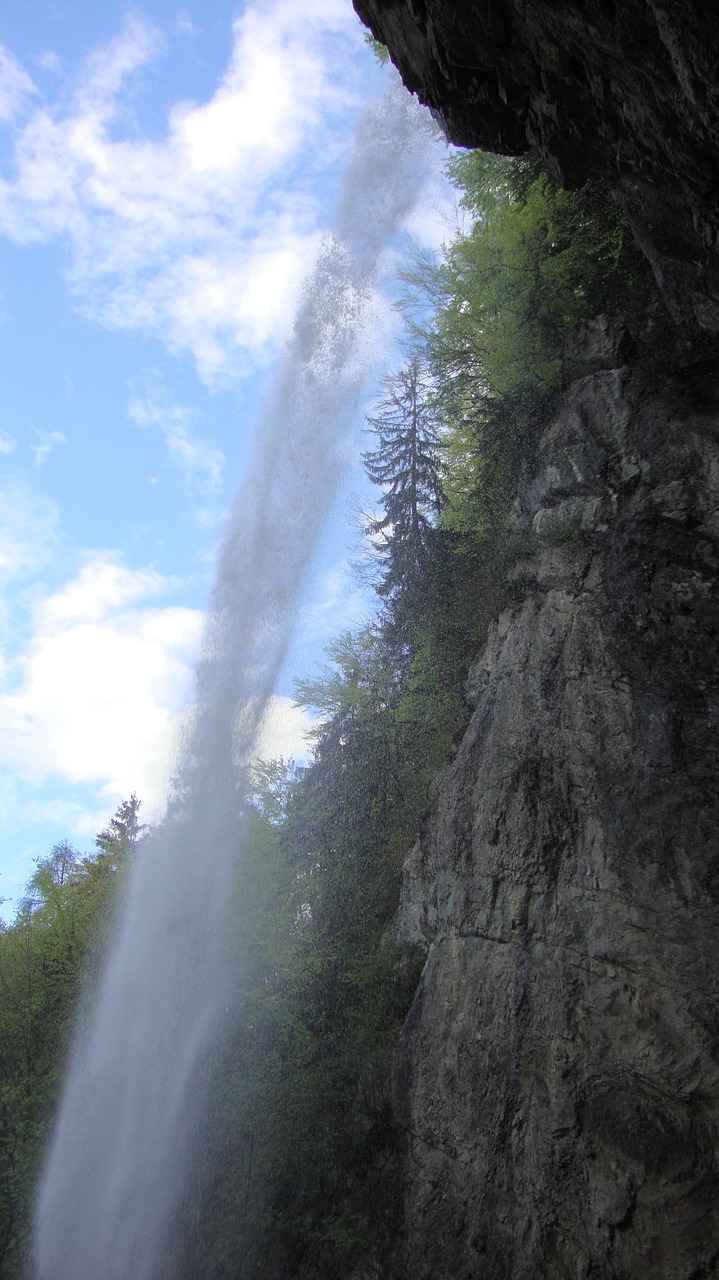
pixel 629 91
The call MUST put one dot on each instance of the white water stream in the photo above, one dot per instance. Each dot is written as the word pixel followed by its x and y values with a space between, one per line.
pixel 132 1097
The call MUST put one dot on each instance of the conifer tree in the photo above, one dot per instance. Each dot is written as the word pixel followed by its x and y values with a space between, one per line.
pixel 405 464
pixel 117 840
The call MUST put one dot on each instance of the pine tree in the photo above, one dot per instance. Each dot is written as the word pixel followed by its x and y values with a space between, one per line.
pixel 405 464
pixel 120 836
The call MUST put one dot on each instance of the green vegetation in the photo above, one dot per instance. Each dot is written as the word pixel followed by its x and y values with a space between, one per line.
pixel 302 1146
pixel 53 944
pixel 380 51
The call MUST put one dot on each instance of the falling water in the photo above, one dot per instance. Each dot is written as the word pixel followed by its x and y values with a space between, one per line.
pixel 130 1109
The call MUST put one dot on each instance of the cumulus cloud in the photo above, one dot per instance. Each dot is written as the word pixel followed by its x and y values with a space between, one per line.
pixel 200 238
pixel 100 688
pixel 100 692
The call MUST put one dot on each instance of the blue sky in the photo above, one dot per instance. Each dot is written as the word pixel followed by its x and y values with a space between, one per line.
pixel 166 175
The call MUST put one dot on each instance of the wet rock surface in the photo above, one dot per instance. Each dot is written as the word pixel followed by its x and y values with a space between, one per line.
pixel 629 91
pixel 558 1075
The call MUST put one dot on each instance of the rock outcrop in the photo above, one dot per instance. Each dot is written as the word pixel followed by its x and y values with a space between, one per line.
pixel 629 91
pixel 558 1075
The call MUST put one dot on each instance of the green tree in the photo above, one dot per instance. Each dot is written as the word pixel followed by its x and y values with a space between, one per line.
pixel 536 261
pixel 118 840
pixel 46 954
pixel 496 311
pixel 405 463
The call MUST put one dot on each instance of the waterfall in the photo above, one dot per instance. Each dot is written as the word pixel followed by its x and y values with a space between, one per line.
pixel 131 1103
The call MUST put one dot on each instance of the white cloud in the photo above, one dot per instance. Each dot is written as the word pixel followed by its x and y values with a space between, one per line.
pixel 49 440
pixel 107 69
pixel 49 61
pixel 103 587
pixel 101 692
pixel 192 238
pixel 198 459
pixel 28 531
pixel 69 817
pixel 7 442
pixel 16 87
pixel 185 24
pixel 101 686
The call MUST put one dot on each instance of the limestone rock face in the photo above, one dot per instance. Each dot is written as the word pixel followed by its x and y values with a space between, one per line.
pixel 627 90
pixel 558 1075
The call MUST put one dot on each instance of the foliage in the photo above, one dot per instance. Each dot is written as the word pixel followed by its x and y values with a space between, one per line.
pixel 537 262
pixel 380 51
pixel 44 955
pixel 117 841
pixel 404 462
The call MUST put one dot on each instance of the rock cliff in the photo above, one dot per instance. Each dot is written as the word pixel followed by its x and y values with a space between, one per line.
pixel 558 1074
pixel 557 1078
pixel 629 91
